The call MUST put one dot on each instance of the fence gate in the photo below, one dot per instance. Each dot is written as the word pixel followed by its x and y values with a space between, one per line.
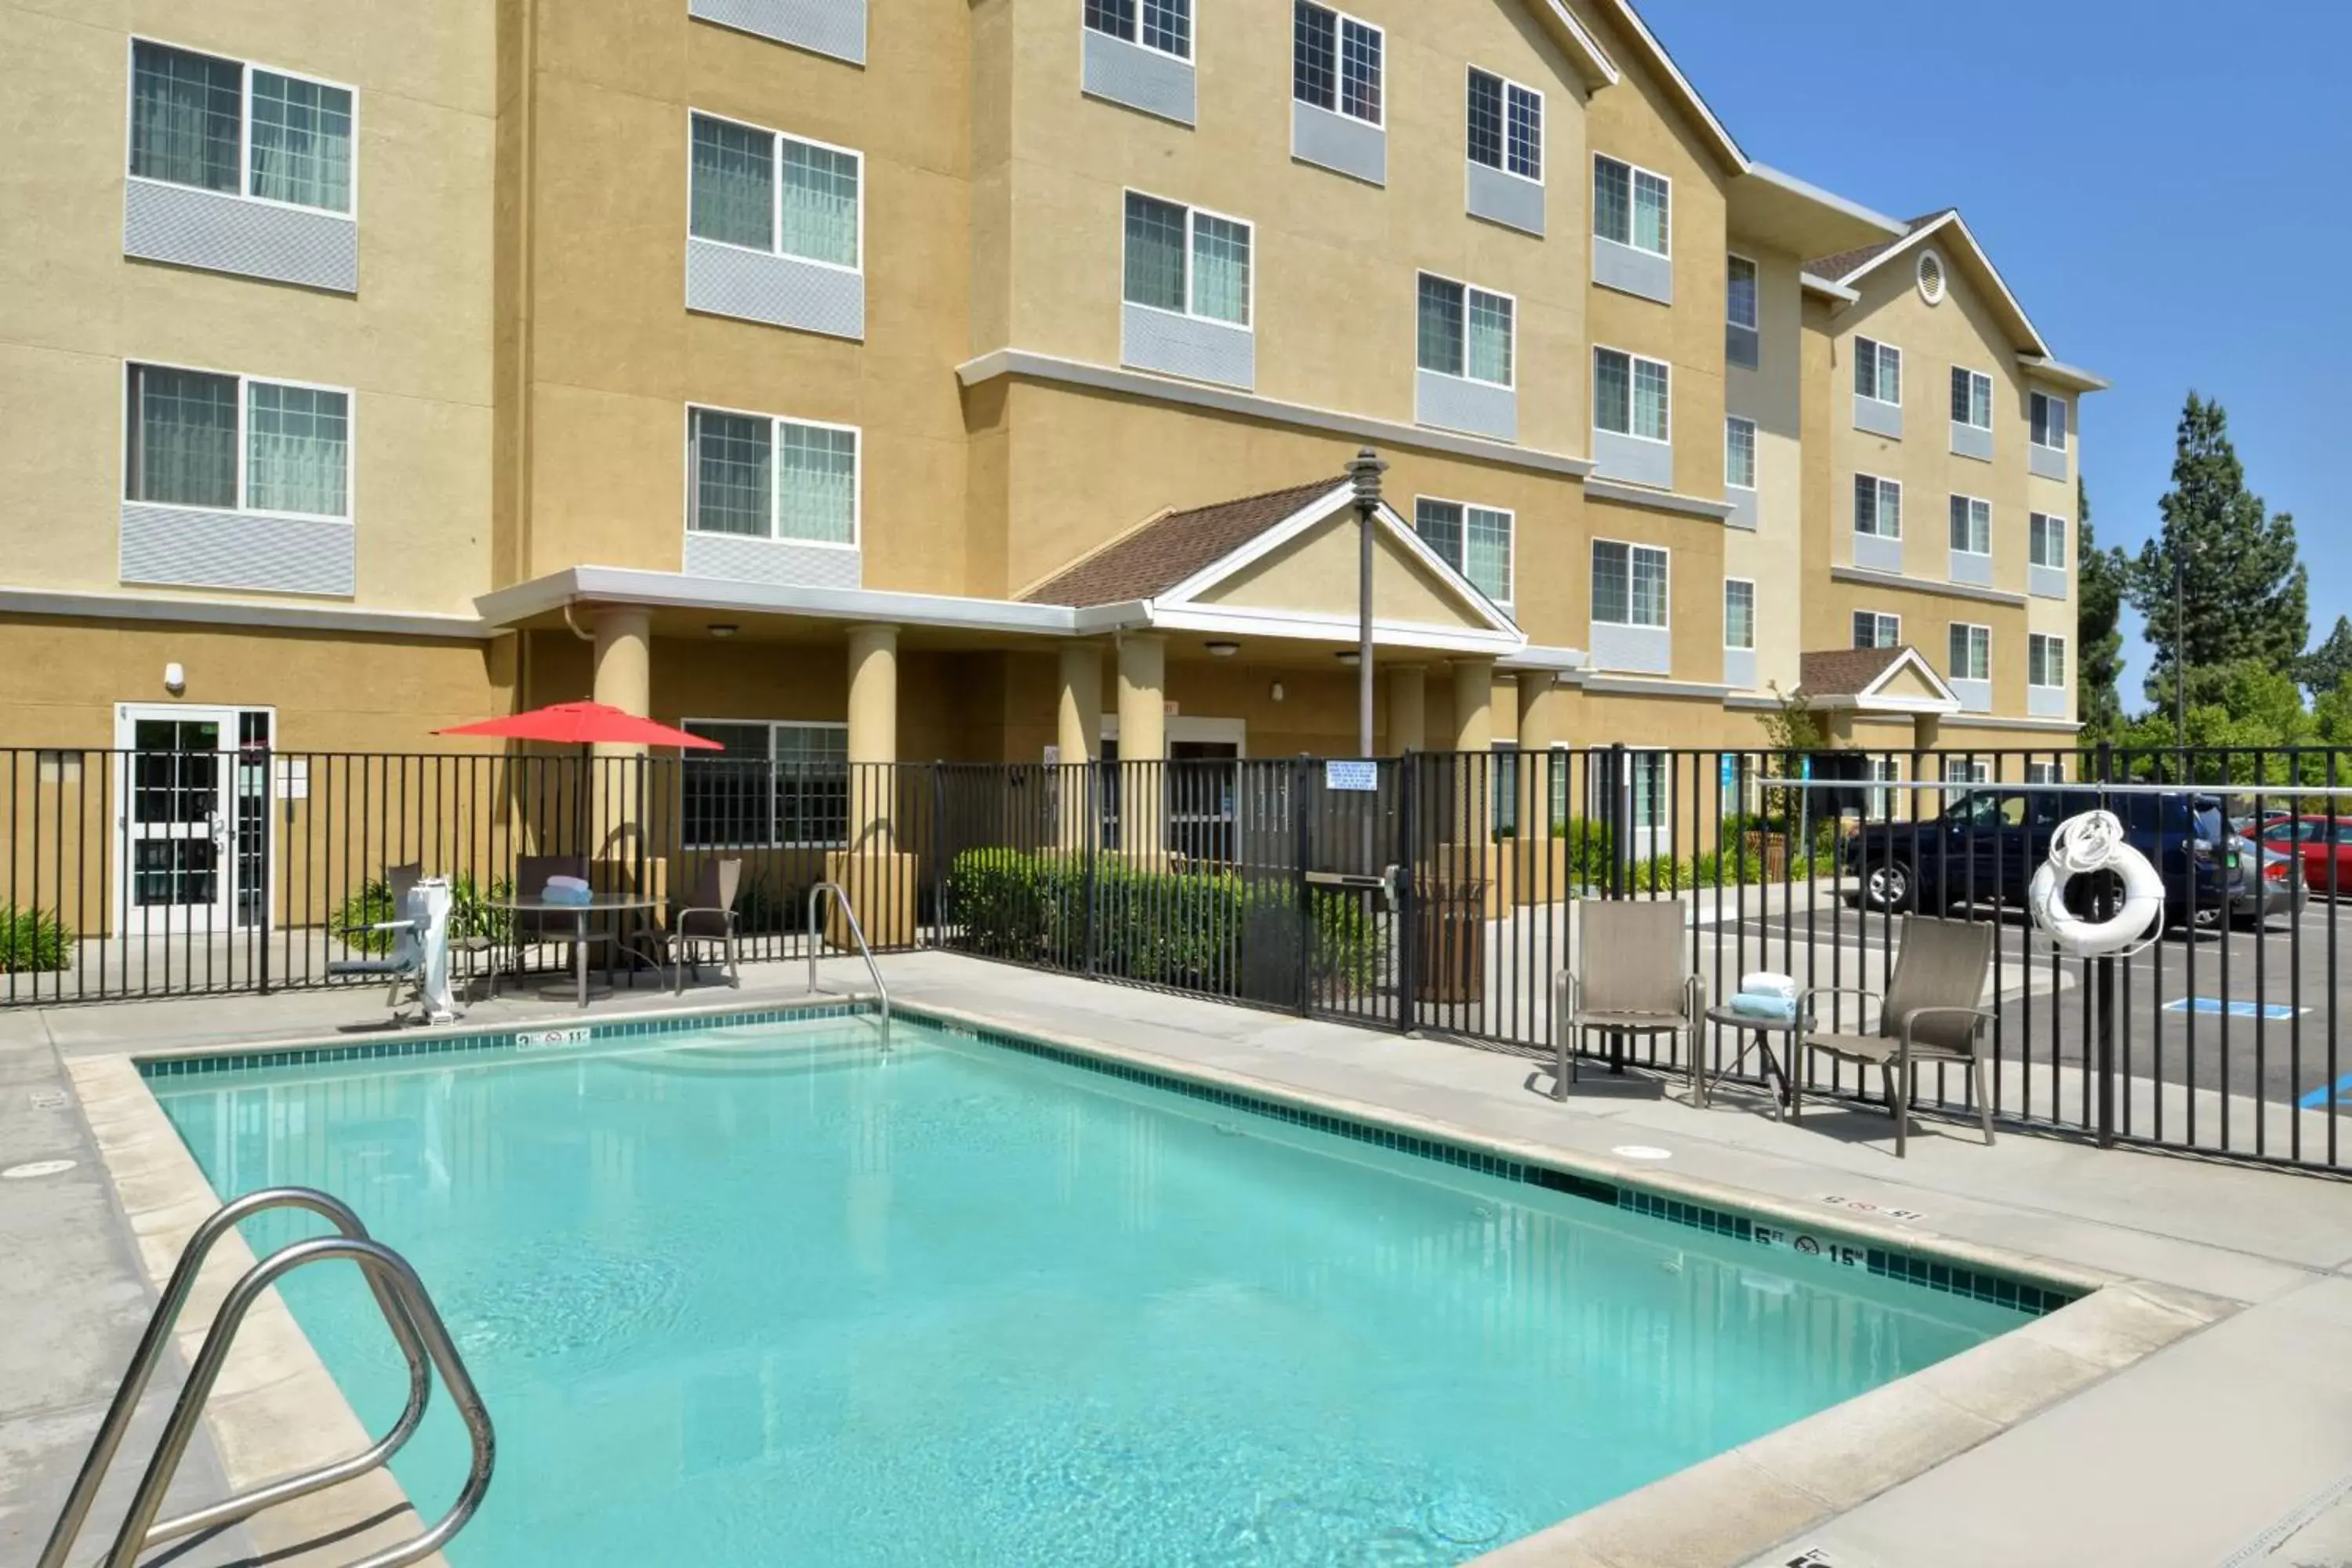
pixel 1350 826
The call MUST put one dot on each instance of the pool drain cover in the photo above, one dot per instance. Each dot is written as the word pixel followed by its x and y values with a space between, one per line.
pixel 25 1173
pixel 1464 1520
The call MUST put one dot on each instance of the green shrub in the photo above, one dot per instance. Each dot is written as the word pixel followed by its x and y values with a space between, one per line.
pixel 31 939
pixel 1587 849
pixel 371 905
pixel 470 914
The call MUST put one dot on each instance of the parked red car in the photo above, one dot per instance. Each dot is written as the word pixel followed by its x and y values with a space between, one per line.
pixel 2323 844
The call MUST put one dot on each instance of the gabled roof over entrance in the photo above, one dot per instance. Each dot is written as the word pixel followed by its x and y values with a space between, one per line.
pixel 1284 565
pixel 1873 680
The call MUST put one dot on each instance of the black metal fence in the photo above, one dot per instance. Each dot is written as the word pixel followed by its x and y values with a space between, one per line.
pixel 1438 892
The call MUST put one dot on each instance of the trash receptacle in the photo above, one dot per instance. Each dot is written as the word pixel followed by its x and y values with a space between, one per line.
pixel 1450 940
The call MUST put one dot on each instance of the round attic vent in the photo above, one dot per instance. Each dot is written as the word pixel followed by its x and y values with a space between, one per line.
pixel 1931 278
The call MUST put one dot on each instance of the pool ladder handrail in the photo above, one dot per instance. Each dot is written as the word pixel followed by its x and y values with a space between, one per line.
pixel 415 1326
pixel 849 914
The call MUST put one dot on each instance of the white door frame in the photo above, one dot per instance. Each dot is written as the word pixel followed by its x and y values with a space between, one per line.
pixel 218 917
pixel 1234 732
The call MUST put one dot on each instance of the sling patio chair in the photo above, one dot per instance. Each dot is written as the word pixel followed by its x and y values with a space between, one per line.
pixel 705 920
pixel 1632 976
pixel 1933 1012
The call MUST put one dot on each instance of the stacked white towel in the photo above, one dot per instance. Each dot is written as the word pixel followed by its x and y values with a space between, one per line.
pixel 1764 994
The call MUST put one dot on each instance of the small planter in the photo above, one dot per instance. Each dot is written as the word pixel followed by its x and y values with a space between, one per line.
pixel 1768 851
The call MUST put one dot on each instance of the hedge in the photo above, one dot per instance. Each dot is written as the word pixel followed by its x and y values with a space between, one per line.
pixel 30 939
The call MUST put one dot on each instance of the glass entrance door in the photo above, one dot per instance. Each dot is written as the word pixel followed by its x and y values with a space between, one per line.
pixel 192 791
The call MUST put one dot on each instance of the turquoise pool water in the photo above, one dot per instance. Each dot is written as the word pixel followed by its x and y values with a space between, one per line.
pixel 763 1296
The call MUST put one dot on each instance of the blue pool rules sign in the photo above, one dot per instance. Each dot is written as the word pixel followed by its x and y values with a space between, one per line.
pixel 1352 774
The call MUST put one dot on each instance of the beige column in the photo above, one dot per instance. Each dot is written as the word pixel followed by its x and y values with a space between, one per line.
pixel 1538 867
pixel 1077 737
pixel 624 679
pixel 1474 733
pixel 1408 709
pixel 877 873
pixel 1142 744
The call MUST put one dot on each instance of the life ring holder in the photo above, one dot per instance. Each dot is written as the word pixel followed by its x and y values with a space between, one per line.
pixel 2094 842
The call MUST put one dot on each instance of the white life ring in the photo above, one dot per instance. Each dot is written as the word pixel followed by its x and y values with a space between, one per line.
pixel 2094 842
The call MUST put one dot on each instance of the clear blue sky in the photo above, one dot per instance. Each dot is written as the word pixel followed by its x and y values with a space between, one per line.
pixel 2165 185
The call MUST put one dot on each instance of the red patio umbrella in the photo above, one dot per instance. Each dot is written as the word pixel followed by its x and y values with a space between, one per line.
pixel 583 724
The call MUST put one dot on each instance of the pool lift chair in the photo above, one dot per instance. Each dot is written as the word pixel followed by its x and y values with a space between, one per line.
pixel 417 967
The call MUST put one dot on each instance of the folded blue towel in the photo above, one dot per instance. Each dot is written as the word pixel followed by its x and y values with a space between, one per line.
pixel 1779 1009
pixel 1767 983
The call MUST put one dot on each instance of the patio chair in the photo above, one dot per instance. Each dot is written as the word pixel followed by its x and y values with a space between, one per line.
pixel 707 918
pixel 1932 1012
pixel 1631 977
pixel 532 927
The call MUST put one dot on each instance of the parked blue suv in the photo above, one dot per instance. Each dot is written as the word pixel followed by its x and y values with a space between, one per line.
pixel 1988 842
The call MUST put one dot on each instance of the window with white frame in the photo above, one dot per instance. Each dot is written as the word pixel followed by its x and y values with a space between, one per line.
pixel 1465 331
pixel 228 126
pixel 1971 399
pixel 1191 262
pixel 1740 293
pixel 1872 629
pixel 2047 416
pixel 1877 506
pixel 1475 540
pixel 1163 25
pixel 1880 801
pixel 237 443
pixel 1877 371
pixel 775 785
pixel 1740 453
pixel 1632 205
pixel 1629 584
pixel 1971 525
pixel 2045 661
pixel 757 477
pixel 1967 770
pixel 766 191
pixel 1971 652
pixel 1336 62
pixel 2044 773
pixel 1631 395
pixel 2045 541
pixel 1738 612
pixel 1505 125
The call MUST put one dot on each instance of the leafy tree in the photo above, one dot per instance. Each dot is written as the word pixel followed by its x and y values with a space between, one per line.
pixel 2247 594
pixel 2100 578
pixel 2323 669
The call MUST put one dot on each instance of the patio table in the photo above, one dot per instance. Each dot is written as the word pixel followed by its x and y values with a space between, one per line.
pixel 1761 1033
pixel 581 913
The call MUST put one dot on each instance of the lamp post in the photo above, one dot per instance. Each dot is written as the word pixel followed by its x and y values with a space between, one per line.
pixel 1364 474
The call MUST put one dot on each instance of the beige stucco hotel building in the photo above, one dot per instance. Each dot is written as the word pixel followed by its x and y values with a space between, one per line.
pixel 974 379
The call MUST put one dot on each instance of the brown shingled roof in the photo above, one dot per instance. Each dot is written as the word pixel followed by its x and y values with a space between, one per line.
pixel 1154 558
pixel 1843 672
pixel 1845 263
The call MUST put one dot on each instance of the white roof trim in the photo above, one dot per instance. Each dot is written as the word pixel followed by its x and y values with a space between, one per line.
pixel 1602 70
pixel 1811 192
pixel 1813 283
pixel 1952 219
pixel 347 619
pixel 1873 698
pixel 676 590
pixel 1725 144
pixel 2070 375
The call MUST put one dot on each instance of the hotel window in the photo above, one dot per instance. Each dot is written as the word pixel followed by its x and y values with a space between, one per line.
pixel 774 784
pixel 2045 541
pixel 1336 62
pixel 1740 293
pixel 1877 371
pixel 1505 125
pixel 1740 453
pixel 1872 629
pixel 1465 331
pixel 2045 661
pixel 1971 399
pixel 1629 584
pixel 1877 506
pixel 222 125
pixel 1971 652
pixel 1181 259
pixel 1631 394
pixel 1475 540
pixel 1971 525
pixel 761 478
pixel 1163 25
pixel 1967 770
pixel 769 192
pixel 1738 612
pixel 1631 205
pixel 2049 420
pixel 232 442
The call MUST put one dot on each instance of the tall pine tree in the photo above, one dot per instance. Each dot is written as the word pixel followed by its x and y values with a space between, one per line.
pixel 2323 669
pixel 2245 594
pixel 2101 577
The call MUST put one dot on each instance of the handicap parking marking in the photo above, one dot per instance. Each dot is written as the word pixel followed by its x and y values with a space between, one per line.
pixel 2214 1007
pixel 2327 1098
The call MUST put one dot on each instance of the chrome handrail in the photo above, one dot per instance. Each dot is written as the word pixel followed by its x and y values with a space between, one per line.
pixel 415 1326
pixel 848 913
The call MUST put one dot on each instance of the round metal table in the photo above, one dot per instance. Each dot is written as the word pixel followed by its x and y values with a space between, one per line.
pixel 580 914
pixel 1760 1031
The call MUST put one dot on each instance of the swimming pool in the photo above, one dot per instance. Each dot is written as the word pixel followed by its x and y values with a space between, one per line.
pixel 759 1293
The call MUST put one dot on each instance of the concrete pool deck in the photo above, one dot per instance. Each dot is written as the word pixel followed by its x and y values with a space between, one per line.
pixel 2197 1411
